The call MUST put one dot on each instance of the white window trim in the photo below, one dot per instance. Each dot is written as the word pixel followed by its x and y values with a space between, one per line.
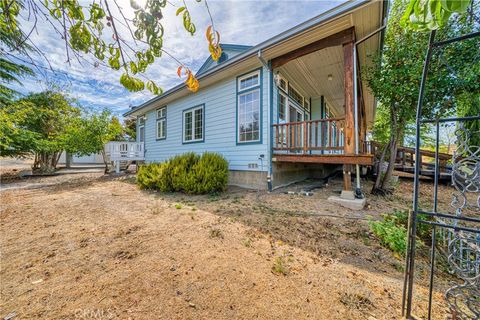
pixel 192 110
pixel 161 119
pixel 140 126
pixel 259 114
pixel 285 95
pixel 281 77
pixel 248 75
pixel 164 121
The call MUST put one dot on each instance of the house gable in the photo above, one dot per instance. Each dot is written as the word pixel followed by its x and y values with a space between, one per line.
pixel 228 51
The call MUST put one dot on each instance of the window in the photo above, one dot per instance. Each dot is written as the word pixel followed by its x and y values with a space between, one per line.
pixel 307 106
pixel 141 129
pixel 282 106
pixel 249 116
pixel 295 95
pixel 249 108
pixel 283 84
pixel 193 121
pixel 162 123
pixel 249 81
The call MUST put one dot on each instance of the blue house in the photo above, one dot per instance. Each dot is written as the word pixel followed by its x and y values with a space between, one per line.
pixel 287 109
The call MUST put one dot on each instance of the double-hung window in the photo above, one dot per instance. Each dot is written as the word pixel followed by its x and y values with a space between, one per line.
pixel 141 128
pixel 249 107
pixel 162 123
pixel 193 124
pixel 282 106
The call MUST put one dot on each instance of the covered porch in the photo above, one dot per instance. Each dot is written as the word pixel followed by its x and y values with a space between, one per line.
pixel 322 111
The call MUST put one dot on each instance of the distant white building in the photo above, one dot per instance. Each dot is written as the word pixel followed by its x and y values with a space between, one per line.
pixel 89 159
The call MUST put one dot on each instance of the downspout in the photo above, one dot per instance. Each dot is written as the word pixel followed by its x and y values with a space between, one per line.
pixel 269 118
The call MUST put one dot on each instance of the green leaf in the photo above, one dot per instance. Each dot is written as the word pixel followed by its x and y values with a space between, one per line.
pixel 179 10
pixel 133 67
pixel 152 87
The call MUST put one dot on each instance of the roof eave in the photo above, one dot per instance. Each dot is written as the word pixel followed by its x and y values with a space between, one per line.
pixel 331 14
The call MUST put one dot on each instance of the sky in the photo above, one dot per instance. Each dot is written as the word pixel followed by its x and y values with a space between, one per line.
pixel 246 22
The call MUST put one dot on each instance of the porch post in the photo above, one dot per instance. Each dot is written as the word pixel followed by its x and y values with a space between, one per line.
pixel 349 144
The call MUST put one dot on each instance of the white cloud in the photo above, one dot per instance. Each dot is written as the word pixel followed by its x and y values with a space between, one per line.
pixel 238 21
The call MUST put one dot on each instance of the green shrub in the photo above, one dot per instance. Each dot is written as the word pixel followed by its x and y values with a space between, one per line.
pixel 424 231
pixel 189 173
pixel 148 175
pixel 164 180
pixel 181 171
pixel 392 231
pixel 209 174
pixel 390 235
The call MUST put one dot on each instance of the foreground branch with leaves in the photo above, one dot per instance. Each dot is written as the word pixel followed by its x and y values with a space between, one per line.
pixel 94 30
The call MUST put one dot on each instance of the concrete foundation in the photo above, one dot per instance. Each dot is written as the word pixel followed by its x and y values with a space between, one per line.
pixel 248 179
pixel 353 204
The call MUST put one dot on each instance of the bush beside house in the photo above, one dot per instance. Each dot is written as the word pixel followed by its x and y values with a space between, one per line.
pixel 189 173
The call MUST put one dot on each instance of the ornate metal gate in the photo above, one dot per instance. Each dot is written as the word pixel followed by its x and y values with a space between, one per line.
pixel 457 230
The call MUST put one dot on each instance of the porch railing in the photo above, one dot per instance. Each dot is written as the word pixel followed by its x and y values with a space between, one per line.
pixel 312 136
pixel 124 151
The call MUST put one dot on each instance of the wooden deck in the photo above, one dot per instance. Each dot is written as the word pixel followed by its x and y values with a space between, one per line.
pixel 363 159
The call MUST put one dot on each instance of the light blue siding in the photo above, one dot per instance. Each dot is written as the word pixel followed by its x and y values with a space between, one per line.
pixel 220 127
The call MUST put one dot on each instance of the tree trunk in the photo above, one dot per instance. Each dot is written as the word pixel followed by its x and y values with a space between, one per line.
pixel 104 156
pixel 391 163
pixel 57 158
pixel 376 186
pixel 45 163
pixel 68 159
pixel 396 133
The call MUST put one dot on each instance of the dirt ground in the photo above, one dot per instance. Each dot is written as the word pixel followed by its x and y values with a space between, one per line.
pixel 89 246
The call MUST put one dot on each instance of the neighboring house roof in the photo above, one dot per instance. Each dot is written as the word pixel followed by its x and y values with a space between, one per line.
pixel 269 47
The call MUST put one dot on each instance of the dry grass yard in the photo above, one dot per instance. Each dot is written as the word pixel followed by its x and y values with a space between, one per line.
pixel 89 246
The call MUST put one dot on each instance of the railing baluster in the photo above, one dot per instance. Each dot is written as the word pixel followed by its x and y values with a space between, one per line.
pixel 330 138
pixel 305 133
pixel 288 138
pixel 276 137
pixel 337 135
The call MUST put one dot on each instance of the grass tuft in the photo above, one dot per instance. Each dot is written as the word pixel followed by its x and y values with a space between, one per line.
pixel 280 266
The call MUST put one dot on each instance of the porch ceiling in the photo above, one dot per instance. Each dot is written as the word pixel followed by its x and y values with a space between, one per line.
pixel 310 75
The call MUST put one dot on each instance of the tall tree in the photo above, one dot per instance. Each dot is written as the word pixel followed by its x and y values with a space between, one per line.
pixel 130 128
pixel 38 125
pixel 10 72
pixel 395 78
pixel 89 134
